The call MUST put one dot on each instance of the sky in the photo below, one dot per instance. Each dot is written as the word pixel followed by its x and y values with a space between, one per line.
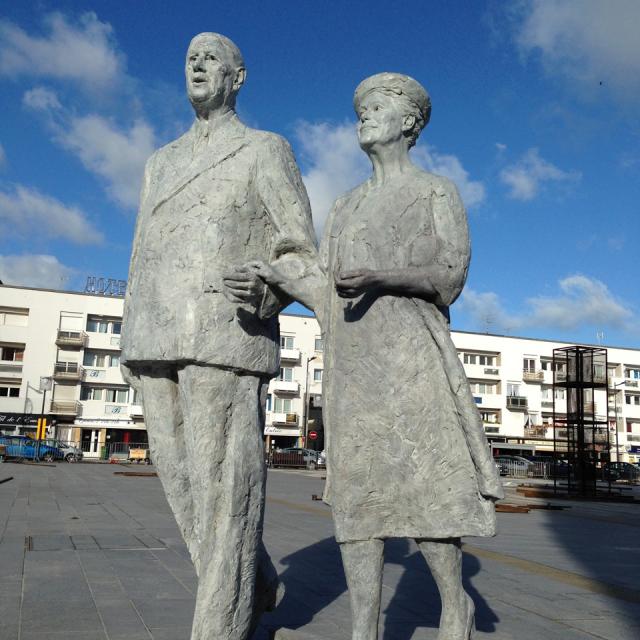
pixel 536 118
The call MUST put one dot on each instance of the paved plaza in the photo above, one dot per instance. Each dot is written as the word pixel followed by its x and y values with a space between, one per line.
pixel 87 554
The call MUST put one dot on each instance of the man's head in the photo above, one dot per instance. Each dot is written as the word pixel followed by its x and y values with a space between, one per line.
pixel 214 71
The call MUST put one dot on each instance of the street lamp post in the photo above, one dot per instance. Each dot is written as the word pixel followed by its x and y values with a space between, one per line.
pixel 615 400
pixel 306 401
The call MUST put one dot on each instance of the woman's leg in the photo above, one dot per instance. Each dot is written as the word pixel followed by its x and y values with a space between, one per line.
pixel 363 563
pixel 444 558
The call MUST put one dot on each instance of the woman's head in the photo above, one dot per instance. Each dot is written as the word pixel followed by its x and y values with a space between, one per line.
pixel 407 97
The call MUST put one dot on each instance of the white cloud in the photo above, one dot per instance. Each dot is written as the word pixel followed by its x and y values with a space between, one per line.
pixel 580 302
pixel 587 42
pixel 41 99
pixel 83 52
pixel 116 155
pixel 449 166
pixel 336 164
pixel 525 178
pixel 34 271
pixel 25 211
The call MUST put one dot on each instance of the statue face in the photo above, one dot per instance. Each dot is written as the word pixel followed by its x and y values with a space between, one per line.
pixel 209 74
pixel 381 120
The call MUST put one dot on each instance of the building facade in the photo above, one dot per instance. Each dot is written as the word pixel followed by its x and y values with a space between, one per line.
pixel 61 354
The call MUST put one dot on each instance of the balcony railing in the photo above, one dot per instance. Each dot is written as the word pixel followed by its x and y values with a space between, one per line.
pixel 531 375
pixel 285 386
pixel 517 403
pixel 67 371
pixel 631 383
pixel 289 354
pixel 65 407
pixel 71 338
pixel 535 432
pixel 290 419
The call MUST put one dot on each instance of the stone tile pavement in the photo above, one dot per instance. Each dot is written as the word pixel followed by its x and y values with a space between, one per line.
pixel 86 554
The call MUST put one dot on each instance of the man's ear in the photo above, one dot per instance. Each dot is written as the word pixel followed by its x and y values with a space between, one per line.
pixel 408 123
pixel 238 81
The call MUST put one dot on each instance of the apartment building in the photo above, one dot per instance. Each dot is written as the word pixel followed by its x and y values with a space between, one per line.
pixel 60 356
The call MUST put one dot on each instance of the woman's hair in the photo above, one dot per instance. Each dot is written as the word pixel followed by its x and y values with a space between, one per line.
pixel 411 94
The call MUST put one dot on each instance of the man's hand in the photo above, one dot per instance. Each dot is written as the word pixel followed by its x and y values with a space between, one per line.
pixel 351 284
pixel 243 284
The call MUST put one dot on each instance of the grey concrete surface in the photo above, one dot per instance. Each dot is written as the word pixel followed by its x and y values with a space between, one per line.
pixel 86 554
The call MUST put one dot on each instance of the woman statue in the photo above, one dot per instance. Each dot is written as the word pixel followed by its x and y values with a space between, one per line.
pixel 406 451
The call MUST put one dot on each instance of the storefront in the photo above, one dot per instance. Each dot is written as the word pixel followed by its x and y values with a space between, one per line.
pixel 281 437
pixel 99 438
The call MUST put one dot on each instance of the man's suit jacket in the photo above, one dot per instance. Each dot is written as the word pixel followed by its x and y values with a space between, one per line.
pixel 207 204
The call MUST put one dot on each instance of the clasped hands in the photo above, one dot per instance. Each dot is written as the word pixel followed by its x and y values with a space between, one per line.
pixel 246 283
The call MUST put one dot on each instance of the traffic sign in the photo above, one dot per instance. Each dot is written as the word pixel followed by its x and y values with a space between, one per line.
pixel 313 435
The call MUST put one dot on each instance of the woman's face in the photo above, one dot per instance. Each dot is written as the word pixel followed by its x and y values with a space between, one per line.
pixel 380 120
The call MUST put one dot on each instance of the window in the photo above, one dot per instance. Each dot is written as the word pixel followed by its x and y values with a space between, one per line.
pixel 9 390
pixel 282 405
pixel 632 399
pixel 489 416
pixel 317 375
pixel 286 374
pixel 513 389
pixel 97 324
pixel 529 365
pixel 560 395
pixel 269 401
pixel 119 396
pixel 101 360
pixel 546 393
pixel 483 387
pixel 14 317
pixel 286 342
pixel 479 358
pixel 90 393
pixel 634 374
pixel 545 365
pixel 319 344
pixel 12 354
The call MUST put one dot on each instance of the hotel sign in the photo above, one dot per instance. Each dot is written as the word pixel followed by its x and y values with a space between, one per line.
pixel 106 286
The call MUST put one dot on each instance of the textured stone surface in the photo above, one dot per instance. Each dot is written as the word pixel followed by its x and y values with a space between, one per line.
pixel 200 337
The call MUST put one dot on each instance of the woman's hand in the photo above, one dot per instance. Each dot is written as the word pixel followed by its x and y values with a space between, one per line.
pixel 351 284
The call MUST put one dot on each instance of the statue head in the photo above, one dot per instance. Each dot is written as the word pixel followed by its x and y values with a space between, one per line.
pixel 391 104
pixel 214 71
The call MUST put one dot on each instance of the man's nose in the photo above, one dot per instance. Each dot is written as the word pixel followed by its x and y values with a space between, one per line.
pixel 198 63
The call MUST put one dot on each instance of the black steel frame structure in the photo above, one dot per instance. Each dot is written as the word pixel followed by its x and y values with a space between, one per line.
pixel 582 373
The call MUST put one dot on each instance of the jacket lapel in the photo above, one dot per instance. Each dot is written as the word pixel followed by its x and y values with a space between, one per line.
pixel 183 163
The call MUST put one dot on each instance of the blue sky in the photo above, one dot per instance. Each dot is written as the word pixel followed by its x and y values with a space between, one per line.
pixel 535 117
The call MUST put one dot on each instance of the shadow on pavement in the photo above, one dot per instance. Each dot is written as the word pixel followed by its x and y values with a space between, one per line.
pixel 314 578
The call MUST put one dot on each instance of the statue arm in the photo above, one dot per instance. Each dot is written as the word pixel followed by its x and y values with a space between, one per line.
pixel 294 268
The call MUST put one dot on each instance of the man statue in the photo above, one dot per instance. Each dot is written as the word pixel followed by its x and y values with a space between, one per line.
pixel 200 335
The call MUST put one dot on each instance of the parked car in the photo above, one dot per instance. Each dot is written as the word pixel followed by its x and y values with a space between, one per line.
pixel 513 466
pixel 62 451
pixel 620 471
pixel 297 457
pixel 25 448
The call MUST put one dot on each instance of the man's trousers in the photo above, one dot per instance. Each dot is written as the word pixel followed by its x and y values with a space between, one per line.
pixel 205 433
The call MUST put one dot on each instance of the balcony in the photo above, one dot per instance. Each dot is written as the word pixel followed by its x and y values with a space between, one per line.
pixel 547 404
pixel 531 375
pixel 491 371
pixel 64 371
pixel 11 366
pixel 290 419
pixel 537 431
pixel 517 403
pixel 290 354
pixel 492 429
pixel 65 407
pixel 76 339
pixel 283 386
pixel 631 383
